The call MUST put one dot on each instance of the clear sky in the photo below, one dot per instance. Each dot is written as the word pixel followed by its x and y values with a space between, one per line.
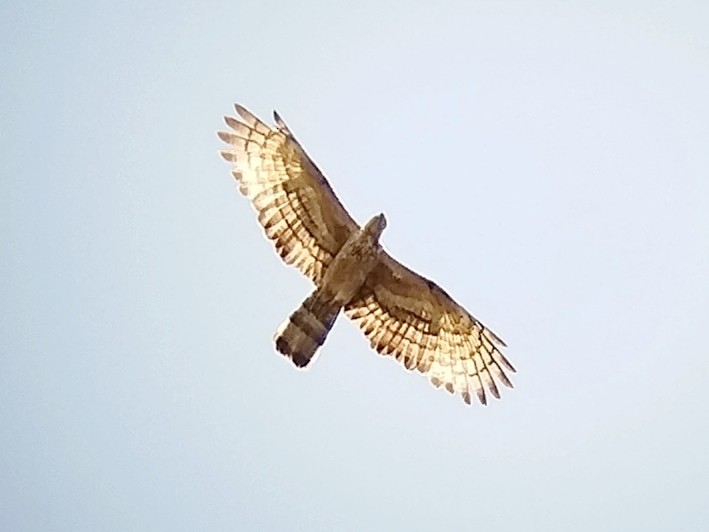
pixel 547 163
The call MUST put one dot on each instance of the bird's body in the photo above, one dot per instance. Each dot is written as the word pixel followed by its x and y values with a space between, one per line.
pixel 300 336
pixel 402 313
pixel 354 262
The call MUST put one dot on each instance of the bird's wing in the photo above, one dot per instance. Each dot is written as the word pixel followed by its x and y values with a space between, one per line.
pixel 296 206
pixel 413 319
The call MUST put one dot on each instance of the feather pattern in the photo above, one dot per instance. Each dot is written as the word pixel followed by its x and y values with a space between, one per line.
pixel 433 334
pixel 403 314
pixel 296 206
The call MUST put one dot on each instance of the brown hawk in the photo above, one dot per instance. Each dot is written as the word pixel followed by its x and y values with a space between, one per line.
pixel 402 313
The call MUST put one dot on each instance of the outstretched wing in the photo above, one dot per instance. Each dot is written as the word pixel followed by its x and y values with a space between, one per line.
pixel 417 322
pixel 296 206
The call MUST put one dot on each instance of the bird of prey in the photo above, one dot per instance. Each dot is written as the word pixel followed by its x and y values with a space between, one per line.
pixel 402 313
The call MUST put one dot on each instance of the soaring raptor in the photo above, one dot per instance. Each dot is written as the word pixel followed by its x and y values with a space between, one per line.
pixel 402 313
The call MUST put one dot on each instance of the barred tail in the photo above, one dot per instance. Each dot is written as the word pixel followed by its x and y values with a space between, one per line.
pixel 300 336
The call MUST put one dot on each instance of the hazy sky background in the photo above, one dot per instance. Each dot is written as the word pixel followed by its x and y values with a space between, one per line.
pixel 546 162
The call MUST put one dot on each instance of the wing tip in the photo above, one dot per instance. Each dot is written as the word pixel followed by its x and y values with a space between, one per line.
pixel 232 122
pixel 281 124
pixel 492 336
pixel 246 115
pixel 228 155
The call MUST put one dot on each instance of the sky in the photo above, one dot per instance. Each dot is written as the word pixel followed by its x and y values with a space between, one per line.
pixel 546 162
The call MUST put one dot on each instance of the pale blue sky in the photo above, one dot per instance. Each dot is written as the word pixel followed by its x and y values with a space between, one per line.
pixel 546 162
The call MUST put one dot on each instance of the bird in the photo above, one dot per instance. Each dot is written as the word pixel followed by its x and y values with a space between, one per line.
pixel 403 314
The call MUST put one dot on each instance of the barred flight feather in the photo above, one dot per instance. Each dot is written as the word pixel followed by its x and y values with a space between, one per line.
pixel 402 314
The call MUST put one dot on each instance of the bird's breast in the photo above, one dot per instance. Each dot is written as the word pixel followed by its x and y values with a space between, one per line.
pixel 350 268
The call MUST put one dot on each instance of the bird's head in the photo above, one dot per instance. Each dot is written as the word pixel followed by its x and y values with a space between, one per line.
pixel 375 226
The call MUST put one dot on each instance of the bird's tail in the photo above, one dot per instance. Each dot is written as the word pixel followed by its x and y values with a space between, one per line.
pixel 300 336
